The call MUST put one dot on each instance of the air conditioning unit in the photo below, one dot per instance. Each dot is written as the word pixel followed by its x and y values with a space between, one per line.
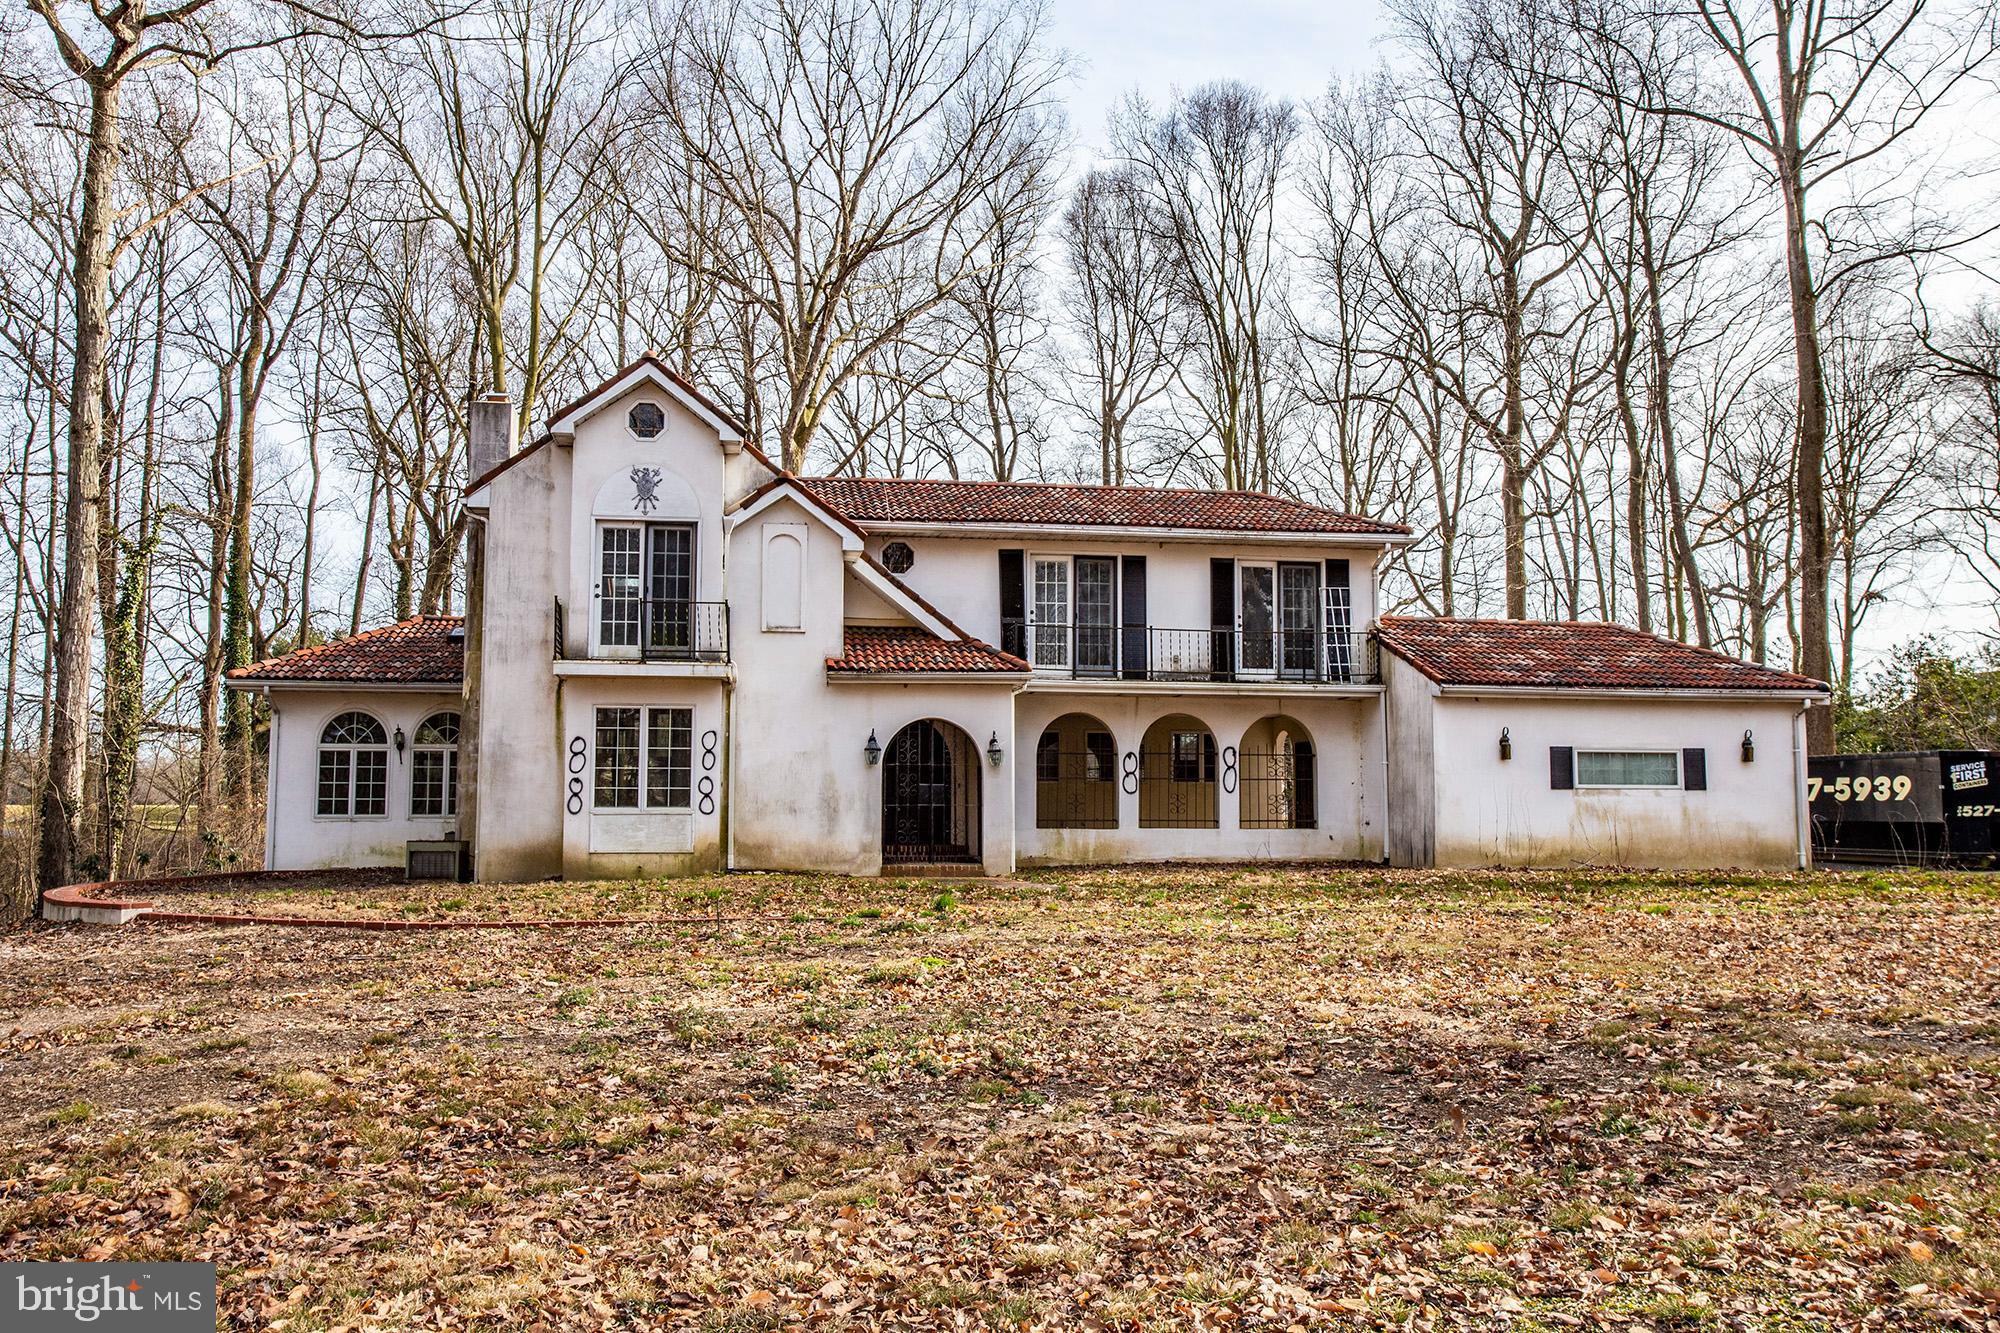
pixel 441 859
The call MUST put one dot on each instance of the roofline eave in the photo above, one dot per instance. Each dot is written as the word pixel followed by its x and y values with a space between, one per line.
pixel 1108 531
pixel 1684 693
pixel 372 686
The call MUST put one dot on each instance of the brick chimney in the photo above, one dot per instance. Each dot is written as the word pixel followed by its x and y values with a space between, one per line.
pixel 492 422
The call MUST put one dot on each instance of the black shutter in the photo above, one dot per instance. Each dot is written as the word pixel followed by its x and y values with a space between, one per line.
pixel 1694 769
pixel 1013 603
pixel 1562 768
pixel 1132 613
pixel 1221 618
pixel 1305 790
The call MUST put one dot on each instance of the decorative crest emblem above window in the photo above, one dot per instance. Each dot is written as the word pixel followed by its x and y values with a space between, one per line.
pixel 645 489
pixel 647 420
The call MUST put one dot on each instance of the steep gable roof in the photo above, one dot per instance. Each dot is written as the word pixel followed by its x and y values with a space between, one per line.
pixel 1015 503
pixel 1570 655
pixel 423 650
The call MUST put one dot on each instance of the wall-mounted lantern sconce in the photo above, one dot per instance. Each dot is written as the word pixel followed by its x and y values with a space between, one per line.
pixel 993 751
pixel 873 749
pixel 1749 748
pixel 1506 744
pixel 401 740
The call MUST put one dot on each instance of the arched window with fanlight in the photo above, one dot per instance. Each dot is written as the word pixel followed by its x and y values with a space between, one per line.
pixel 353 768
pixel 434 767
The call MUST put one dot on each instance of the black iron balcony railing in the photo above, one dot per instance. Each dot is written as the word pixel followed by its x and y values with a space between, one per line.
pixel 655 629
pixel 1146 652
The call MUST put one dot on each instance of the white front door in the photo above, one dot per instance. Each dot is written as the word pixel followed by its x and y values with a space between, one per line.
pixel 1048 618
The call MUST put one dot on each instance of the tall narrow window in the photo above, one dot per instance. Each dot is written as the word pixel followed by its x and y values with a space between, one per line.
pixel 434 766
pixel 617 759
pixel 669 589
pixel 1051 627
pixel 1298 621
pixel 353 768
pixel 618 588
pixel 669 758
pixel 1257 620
pixel 1096 615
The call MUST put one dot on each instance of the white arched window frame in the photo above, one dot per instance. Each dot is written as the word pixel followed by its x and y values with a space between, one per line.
pixel 434 767
pixel 353 768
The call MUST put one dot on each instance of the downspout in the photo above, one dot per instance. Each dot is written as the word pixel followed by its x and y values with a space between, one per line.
pixel 729 769
pixel 270 784
pixel 1383 703
pixel 728 527
pixel 1382 700
pixel 1801 810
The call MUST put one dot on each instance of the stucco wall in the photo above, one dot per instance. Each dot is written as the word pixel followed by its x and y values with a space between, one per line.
pixel 641 843
pixel 297 838
pixel 805 795
pixel 1495 812
pixel 1346 737
pixel 691 488
pixel 1412 777
pixel 519 810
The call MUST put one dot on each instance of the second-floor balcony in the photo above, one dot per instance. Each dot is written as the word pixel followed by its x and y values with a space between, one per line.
pixel 647 629
pixel 1311 656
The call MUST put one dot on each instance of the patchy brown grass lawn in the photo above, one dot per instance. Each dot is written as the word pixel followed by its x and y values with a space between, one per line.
pixel 1162 1098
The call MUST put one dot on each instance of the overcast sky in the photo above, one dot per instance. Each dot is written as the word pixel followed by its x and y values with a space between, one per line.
pixel 1286 47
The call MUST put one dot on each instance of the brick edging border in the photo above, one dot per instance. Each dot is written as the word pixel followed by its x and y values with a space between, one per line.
pixel 92 904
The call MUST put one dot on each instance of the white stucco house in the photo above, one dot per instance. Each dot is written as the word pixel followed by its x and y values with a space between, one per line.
pixel 679 658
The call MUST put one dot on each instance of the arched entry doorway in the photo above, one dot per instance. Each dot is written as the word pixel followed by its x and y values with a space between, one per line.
pixel 930 796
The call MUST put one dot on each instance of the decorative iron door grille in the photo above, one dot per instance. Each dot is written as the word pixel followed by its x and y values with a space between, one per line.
pixel 930 797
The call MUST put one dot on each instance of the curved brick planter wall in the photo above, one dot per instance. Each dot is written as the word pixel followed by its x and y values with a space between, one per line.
pixel 111 903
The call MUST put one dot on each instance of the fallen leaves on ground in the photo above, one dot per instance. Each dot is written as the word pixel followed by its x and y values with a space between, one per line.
pixel 1212 1098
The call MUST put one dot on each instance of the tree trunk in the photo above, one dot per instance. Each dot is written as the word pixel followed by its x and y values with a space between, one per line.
pixel 1635 484
pixel 1513 473
pixel 90 279
pixel 1808 483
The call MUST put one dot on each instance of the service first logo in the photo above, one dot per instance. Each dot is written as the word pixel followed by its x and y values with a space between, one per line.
pixel 134 1298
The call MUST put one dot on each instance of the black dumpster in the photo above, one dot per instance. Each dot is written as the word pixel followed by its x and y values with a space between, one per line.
pixel 1912 807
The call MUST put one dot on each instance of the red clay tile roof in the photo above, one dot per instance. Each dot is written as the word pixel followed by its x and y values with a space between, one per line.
pixel 903 500
pixel 422 650
pixel 872 648
pixel 1573 655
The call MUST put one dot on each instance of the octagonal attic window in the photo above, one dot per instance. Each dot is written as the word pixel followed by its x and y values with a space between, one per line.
pixel 897 557
pixel 647 420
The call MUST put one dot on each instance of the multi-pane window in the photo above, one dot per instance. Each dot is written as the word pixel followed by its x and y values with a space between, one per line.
pixel 618 590
pixel 434 766
pixel 645 589
pixel 644 758
pixel 353 767
pixel 1193 757
pixel 1051 611
pixel 617 754
pixel 669 757
pixel 1627 768
pixel 646 420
